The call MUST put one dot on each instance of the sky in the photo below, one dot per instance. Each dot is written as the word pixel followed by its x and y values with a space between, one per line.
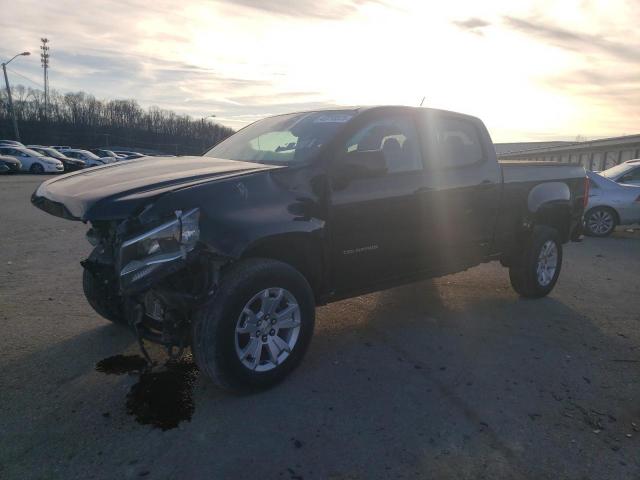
pixel 533 70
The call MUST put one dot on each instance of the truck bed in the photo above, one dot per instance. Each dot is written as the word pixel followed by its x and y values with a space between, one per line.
pixel 525 184
pixel 518 171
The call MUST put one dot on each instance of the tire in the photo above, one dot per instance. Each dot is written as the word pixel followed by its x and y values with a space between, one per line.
pixel 600 222
pixel 542 249
pixel 36 168
pixel 239 304
pixel 101 300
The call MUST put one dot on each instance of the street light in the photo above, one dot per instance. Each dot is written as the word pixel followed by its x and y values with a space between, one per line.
pixel 6 81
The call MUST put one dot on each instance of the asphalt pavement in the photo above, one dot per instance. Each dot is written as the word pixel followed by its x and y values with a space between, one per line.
pixel 454 378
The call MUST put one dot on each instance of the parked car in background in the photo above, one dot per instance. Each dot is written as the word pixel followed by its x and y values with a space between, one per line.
pixel 33 161
pixel 61 147
pixel 610 204
pixel 9 164
pixel 229 253
pixel 129 155
pixel 102 153
pixel 70 164
pixel 89 159
pixel 627 172
pixel 11 142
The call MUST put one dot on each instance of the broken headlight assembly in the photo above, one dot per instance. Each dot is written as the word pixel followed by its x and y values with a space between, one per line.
pixel 159 247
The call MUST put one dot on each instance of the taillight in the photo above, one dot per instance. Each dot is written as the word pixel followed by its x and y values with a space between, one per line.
pixel 585 199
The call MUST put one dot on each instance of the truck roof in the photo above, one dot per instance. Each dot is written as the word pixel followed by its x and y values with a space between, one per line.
pixel 358 109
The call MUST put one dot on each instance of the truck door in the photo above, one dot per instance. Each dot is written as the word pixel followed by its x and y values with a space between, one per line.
pixel 462 189
pixel 375 217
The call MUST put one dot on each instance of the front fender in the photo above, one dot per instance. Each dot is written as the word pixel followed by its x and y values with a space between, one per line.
pixel 236 214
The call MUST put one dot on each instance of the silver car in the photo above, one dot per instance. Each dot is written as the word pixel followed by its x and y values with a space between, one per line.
pixel 89 159
pixel 627 172
pixel 610 204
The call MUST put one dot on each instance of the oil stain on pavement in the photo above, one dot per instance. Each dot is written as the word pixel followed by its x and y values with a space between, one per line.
pixel 161 398
pixel 121 364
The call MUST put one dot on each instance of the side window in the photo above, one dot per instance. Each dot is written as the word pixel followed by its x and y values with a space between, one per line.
pixel 395 137
pixel 633 175
pixel 452 141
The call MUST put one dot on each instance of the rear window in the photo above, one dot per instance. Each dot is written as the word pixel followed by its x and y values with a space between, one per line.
pixel 452 141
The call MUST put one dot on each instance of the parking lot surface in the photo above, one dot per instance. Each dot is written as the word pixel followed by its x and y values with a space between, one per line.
pixel 452 378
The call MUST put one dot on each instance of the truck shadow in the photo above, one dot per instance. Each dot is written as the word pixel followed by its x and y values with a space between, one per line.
pixel 433 377
pixel 449 379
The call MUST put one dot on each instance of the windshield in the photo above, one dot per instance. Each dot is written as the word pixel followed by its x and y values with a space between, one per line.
pixel 88 154
pixel 31 153
pixel 52 153
pixel 617 170
pixel 283 140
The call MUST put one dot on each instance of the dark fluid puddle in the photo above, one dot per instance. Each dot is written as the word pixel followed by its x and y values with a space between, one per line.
pixel 121 364
pixel 164 399
pixel 161 398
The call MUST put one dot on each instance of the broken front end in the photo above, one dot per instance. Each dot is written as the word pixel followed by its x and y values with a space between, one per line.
pixel 150 276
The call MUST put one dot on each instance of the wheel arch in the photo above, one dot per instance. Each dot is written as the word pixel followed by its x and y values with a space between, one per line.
pixel 550 204
pixel 302 251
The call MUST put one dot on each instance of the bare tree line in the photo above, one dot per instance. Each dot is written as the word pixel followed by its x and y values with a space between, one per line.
pixel 81 120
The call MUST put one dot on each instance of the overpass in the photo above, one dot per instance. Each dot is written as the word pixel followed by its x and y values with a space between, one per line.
pixel 593 155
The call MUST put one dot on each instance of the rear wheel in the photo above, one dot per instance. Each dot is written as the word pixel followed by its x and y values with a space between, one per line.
pixel 535 270
pixel 36 168
pixel 600 222
pixel 257 328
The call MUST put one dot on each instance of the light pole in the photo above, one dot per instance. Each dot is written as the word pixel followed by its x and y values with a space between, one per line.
pixel 6 81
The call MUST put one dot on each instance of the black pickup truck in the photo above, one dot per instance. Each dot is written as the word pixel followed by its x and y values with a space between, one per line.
pixel 230 252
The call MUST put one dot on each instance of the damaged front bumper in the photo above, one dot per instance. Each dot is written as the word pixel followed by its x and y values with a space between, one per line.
pixel 156 275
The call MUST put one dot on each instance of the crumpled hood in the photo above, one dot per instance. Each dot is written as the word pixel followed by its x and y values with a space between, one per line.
pixel 117 190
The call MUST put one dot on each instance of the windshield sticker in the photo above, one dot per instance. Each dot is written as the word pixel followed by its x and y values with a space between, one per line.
pixel 333 118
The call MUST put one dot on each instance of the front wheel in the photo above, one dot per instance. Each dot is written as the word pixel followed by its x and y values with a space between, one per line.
pixel 36 168
pixel 100 295
pixel 257 327
pixel 535 270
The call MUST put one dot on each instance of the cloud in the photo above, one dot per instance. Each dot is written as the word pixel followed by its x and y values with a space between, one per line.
pixel 604 78
pixel 473 25
pixel 573 40
pixel 326 9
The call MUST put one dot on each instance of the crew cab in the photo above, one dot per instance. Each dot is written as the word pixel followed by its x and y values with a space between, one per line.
pixel 229 253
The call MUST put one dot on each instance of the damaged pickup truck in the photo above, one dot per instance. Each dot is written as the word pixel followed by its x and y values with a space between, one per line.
pixel 229 253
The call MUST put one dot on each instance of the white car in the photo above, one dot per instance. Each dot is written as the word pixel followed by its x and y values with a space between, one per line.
pixel 33 161
pixel 89 159
pixel 627 172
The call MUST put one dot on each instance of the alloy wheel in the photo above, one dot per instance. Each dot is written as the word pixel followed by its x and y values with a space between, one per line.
pixel 547 263
pixel 600 222
pixel 267 329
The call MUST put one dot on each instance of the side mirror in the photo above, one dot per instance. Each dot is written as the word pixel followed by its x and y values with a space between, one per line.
pixel 361 164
